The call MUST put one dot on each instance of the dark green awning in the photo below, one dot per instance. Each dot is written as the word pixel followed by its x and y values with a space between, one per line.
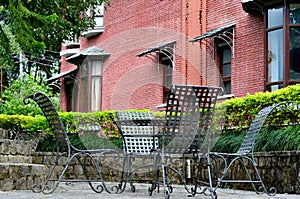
pixel 213 32
pixel 62 74
pixel 257 6
pixel 156 48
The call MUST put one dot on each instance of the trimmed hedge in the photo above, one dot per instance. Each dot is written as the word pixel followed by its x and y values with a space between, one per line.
pixel 232 116
pixel 239 112
pixel 104 119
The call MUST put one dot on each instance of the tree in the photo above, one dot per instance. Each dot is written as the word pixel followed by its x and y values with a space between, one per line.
pixel 39 25
pixel 38 28
pixel 12 98
pixel 6 62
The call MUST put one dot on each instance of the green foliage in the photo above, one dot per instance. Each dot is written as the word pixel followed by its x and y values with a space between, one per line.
pixel 6 51
pixel 237 114
pixel 12 97
pixel 38 28
pixel 21 122
pixel 45 24
pixel 284 138
pixel 104 119
pixel 228 143
pixel 26 23
pixel 279 139
pixel 241 111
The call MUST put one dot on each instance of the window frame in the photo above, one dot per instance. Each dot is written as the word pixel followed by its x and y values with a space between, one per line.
pixel 89 77
pixel 286 45
pixel 221 47
pixel 165 60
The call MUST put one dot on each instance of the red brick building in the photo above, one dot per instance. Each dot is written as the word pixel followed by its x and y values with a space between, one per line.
pixel 140 48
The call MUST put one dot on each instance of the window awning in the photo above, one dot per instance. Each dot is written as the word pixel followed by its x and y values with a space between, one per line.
pixel 62 74
pixel 253 6
pixel 91 51
pixel 257 6
pixel 224 33
pixel 213 32
pixel 161 47
pixel 166 49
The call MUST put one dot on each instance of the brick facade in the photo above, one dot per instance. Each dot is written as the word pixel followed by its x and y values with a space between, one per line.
pixel 247 72
pixel 131 82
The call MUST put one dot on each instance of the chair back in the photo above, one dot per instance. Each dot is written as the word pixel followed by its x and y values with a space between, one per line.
pixel 189 117
pixel 137 132
pixel 54 121
pixel 258 123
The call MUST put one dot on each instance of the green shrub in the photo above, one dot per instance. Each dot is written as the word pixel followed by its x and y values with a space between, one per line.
pixel 12 97
pixel 279 139
pixel 236 115
pixel 21 122
pixel 241 111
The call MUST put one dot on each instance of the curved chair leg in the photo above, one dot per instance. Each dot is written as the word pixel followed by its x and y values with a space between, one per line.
pixel 155 180
pixel 99 188
pixel 45 188
pixel 262 187
pixel 126 174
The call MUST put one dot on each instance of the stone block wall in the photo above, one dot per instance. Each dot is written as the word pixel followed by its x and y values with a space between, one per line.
pixel 16 168
pixel 15 151
pixel 278 169
pixel 20 168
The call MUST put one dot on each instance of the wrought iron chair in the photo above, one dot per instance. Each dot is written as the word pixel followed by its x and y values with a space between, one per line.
pixel 188 117
pixel 139 140
pixel 66 152
pixel 245 155
pixel 188 120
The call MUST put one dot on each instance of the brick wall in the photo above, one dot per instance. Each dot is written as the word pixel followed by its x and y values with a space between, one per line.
pixel 132 27
pixel 247 72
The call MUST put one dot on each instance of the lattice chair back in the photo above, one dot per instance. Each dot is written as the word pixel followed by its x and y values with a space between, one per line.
pixel 257 124
pixel 139 134
pixel 54 120
pixel 189 116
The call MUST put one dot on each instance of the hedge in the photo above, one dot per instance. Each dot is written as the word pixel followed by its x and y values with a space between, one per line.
pixel 16 123
pixel 231 116
pixel 239 112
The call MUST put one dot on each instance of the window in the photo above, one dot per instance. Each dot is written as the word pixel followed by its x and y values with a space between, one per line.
pixel 98 13
pixel 90 82
pixel 283 45
pixel 167 65
pixel 225 67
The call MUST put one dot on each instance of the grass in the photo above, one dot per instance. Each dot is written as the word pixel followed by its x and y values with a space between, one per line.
pixel 270 139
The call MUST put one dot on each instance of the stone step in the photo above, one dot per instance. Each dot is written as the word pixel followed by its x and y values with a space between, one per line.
pixel 15 151
pixel 21 176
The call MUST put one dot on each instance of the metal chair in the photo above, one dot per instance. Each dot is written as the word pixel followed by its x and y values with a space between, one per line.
pixel 188 120
pixel 245 155
pixel 139 140
pixel 66 152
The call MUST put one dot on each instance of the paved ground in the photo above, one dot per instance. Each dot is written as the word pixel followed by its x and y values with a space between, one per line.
pixel 82 191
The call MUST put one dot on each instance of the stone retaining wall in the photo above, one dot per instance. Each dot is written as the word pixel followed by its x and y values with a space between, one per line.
pixel 278 169
pixel 20 167
pixel 16 168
